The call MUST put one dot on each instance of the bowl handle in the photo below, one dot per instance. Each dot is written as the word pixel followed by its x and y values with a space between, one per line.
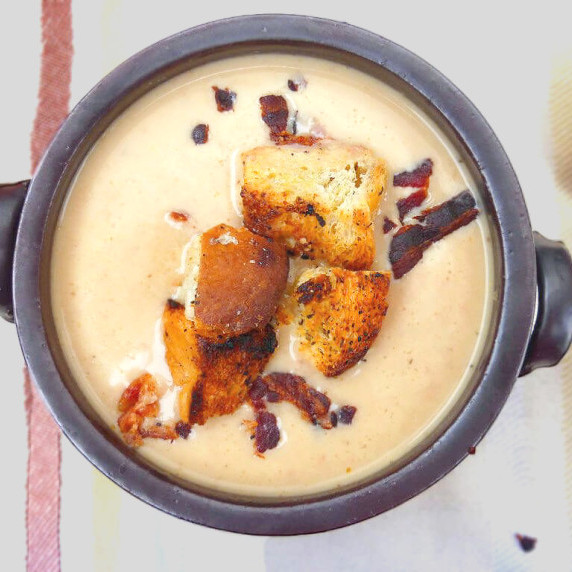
pixel 11 200
pixel 552 331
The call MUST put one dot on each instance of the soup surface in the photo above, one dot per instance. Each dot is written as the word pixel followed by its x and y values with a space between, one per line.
pixel 117 259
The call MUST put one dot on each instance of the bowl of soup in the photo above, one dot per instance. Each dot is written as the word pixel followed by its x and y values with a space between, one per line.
pixel 172 146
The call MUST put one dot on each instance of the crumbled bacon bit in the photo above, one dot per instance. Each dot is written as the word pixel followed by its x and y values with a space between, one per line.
pixel 157 431
pixel 313 404
pixel 388 225
pixel 527 543
pixel 139 403
pixel 275 114
pixel 257 391
pixel 274 110
pixel 472 450
pixel 346 414
pixel 178 216
pixel 200 133
pixel 410 241
pixel 418 178
pixel 224 98
pixel 183 429
pixel 272 397
pixel 266 434
pixel 297 84
pixel 410 202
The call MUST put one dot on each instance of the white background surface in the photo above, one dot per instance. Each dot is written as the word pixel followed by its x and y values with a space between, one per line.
pixel 500 55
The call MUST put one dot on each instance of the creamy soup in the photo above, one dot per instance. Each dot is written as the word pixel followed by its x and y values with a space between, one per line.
pixel 117 258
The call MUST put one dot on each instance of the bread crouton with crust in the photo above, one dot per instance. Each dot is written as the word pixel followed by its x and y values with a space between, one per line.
pixel 319 201
pixel 233 281
pixel 214 376
pixel 340 313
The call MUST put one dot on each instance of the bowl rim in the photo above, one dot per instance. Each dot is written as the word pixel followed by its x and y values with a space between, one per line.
pixel 517 296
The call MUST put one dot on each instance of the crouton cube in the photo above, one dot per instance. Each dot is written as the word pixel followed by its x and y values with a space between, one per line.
pixel 340 313
pixel 319 201
pixel 233 281
pixel 213 376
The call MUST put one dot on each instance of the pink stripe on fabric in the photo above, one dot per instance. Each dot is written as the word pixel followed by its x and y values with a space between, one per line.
pixel 55 74
pixel 44 453
pixel 43 489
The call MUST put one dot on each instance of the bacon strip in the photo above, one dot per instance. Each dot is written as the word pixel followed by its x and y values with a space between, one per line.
pixel 410 202
pixel 410 241
pixel 419 178
pixel 313 404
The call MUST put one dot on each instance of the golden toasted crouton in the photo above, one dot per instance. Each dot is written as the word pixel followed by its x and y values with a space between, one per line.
pixel 214 377
pixel 234 280
pixel 340 315
pixel 319 201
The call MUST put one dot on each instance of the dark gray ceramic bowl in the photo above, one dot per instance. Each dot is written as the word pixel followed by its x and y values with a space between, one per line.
pixel 531 325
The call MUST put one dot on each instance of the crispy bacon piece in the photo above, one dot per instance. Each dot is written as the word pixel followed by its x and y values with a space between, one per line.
pixel 257 392
pixel 410 241
pixel 410 202
pixel 274 109
pixel 297 84
pixel 419 178
pixel 346 414
pixel 200 133
pixel 224 98
pixel 314 405
pixel 159 431
pixel 388 225
pixel 178 216
pixel 266 433
pixel 139 405
pixel 183 429
pixel 263 429
pixel 275 114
